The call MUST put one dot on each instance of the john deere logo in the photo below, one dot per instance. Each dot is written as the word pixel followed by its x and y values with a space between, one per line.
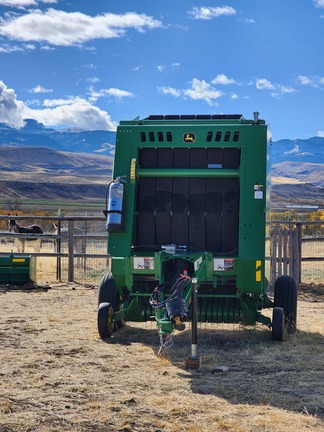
pixel 189 137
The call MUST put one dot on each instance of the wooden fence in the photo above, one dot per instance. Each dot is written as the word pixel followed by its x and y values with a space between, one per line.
pixel 71 237
pixel 287 244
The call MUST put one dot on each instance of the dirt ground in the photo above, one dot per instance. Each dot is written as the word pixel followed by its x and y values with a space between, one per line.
pixel 56 374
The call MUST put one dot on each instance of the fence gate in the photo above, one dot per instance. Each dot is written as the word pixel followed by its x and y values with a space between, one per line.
pixel 285 251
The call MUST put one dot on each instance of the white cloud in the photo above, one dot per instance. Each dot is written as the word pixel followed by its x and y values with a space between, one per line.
pixel 165 68
pixel 247 20
pixel 234 96
pixel 278 90
pixel 313 81
pixel 24 3
pixel 319 3
pixel 169 90
pixel 93 79
pixel 113 92
pixel 284 89
pixel 263 83
pixel 90 66
pixel 207 13
pixel 7 49
pixel 12 111
pixel 304 80
pixel 29 46
pixel 57 27
pixel 201 90
pixel 117 93
pixel 47 48
pixel 71 112
pixel 40 89
pixel 79 113
pixel 223 80
pixel 320 134
pixel 70 100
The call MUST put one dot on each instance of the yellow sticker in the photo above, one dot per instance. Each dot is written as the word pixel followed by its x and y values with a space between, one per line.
pixel 18 260
pixel 132 170
pixel 258 276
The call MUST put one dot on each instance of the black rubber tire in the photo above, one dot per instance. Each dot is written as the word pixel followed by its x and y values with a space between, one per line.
pixel 108 293
pixel 278 325
pixel 105 320
pixel 285 296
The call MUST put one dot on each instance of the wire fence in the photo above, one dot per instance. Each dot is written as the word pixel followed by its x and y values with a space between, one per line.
pixel 296 248
pixel 81 257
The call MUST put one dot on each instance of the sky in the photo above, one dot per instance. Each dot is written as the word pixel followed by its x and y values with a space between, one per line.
pixel 90 64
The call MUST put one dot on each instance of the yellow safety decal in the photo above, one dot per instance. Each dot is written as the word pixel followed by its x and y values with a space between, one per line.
pixel 18 260
pixel 133 168
pixel 258 273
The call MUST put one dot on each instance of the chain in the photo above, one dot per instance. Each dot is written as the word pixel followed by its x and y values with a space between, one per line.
pixel 165 345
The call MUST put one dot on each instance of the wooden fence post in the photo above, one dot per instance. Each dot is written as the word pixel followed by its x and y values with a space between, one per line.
pixel 286 251
pixel 273 255
pixel 71 250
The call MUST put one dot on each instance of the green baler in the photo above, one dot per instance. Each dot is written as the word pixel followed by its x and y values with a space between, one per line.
pixel 187 212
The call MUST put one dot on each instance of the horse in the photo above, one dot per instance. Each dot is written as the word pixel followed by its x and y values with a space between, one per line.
pixel 20 242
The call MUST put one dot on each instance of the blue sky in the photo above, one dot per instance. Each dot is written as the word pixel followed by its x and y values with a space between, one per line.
pixel 90 64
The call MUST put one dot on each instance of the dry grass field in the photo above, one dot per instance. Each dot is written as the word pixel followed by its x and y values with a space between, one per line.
pixel 56 374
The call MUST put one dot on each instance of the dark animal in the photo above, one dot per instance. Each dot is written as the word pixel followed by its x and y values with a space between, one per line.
pixel 14 227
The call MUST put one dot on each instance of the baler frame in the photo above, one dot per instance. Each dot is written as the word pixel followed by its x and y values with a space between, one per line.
pixel 194 203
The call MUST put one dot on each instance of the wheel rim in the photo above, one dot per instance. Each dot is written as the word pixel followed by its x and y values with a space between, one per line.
pixel 110 322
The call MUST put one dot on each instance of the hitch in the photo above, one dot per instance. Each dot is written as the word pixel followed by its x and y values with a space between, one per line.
pixel 194 361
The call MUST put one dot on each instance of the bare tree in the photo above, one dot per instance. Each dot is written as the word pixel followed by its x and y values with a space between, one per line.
pixel 13 204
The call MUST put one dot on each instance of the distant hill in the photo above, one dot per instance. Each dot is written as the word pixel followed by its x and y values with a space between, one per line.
pixel 299 159
pixel 310 150
pixel 45 156
pixel 35 134
pixel 46 160
pixel 47 174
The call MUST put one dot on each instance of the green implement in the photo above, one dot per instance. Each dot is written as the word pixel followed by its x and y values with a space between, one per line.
pixel 17 270
pixel 189 200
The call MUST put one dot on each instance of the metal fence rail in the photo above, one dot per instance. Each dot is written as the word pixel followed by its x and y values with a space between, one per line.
pixel 64 245
pixel 296 248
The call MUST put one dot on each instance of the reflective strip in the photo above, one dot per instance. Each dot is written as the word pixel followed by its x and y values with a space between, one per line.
pixel 258 275
pixel 133 168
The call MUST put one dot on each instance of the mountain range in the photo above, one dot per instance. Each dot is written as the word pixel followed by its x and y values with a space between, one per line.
pixel 44 155
pixel 71 140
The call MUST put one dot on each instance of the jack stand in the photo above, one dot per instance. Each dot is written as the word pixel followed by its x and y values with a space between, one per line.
pixel 194 361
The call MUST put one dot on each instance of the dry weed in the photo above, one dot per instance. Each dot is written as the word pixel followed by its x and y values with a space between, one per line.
pixel 57 375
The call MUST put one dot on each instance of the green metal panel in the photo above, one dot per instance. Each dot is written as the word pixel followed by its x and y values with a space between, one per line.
pixel 18 270
pixel 170 142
